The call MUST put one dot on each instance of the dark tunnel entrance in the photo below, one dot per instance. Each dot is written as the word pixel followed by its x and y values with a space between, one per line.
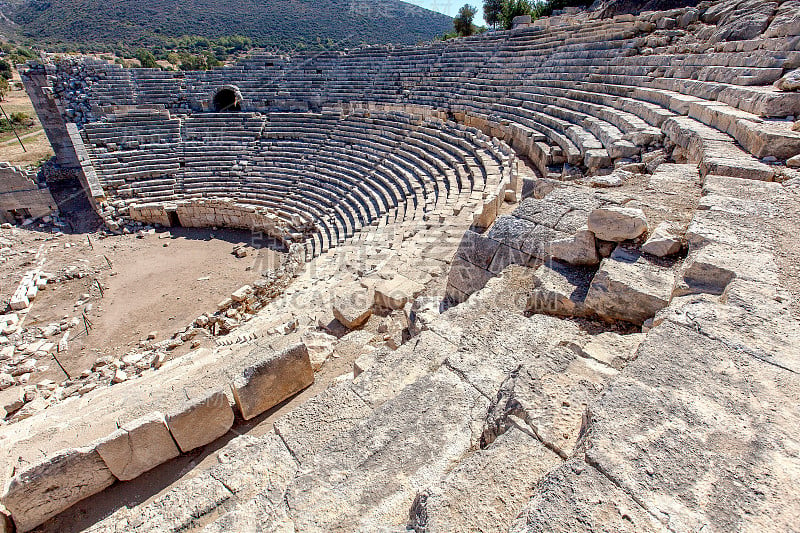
pixel 227 100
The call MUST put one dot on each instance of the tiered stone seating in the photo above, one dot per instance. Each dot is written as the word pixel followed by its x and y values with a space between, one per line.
pixel 499 413
pixel 346 167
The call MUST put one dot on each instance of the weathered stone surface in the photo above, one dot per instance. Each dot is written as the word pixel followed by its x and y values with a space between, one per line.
pixel 367 477
pixel 487 488
pixel 560 290
pixel 309 427
pixel 580 249
pixel 486 359
pixel 786 21
pixel 389 371
pixel 576 497
pixel 137 447
pixel 610 348
pixel 662 241
pixel 47 488
pixel 546 395
pixel 200 421
pixel 397 292
pixel 685 432
pixel 617 223
pixel 354 308
pixel 270 379
pixel 789 82
pixel 178 509
pixel 628 287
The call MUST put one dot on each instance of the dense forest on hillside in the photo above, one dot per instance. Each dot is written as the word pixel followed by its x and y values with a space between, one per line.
pixel 284 24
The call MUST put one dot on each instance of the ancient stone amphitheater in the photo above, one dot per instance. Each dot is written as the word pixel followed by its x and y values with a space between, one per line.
pixel 589 226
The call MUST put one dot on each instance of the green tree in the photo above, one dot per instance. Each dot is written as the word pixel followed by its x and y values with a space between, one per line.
pixel 492 12
pixel 146 58
pixel 4 88
pixel 5 69
pixel 515 8
pixel 463 21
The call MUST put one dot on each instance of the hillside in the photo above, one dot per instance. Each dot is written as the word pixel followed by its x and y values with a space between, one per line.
pixel 283 23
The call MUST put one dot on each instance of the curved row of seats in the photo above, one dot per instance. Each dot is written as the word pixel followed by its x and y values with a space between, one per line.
pixel 346 168
pixel 576 91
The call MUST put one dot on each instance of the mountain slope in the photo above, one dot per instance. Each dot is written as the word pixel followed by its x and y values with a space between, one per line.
pixel 267 22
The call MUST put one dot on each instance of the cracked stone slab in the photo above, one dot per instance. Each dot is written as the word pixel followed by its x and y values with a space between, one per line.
pixel 265 378
pixel 498 344
pixel 367 477
pixel 548 396
pixel 200 421
pixel 703 434
pixel 576 497
pixel 311 425
pixel 629 287
pixel 44 489
pixel 560 290
pixel 487 488
pixel 137 447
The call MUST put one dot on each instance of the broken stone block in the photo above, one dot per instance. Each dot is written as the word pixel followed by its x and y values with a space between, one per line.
pixel 663 241
pixel 270 378
pixel 319 346
pixel 354 308
pixel 397 292
pixel 611 348
pixel 241 294
pixel 137 447
pixel 628 287
pixel 200 421
pixel 580 249
pixel 45 489
pixel 617 223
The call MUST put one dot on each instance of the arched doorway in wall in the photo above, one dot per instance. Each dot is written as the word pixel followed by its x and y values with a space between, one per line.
pixel 227 99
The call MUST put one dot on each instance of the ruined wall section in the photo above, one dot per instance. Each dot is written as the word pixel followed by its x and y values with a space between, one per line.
pixel 21 196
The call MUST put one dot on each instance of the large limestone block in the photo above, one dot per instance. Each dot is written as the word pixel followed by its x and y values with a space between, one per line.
pixel 137 447
pixel 200 421
pixel 663 241
pixel 610 348
pixel 49 487
pixel 576 497
pixel 617 223
pixel 367 477
pixel 629 287
pixel 560 290
pixel 712 267
pixel 698 431
pixel 309 427
pixel 580 249
pixel 354 308
pixel 267 378
pixel 396 292
pixel 485 491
